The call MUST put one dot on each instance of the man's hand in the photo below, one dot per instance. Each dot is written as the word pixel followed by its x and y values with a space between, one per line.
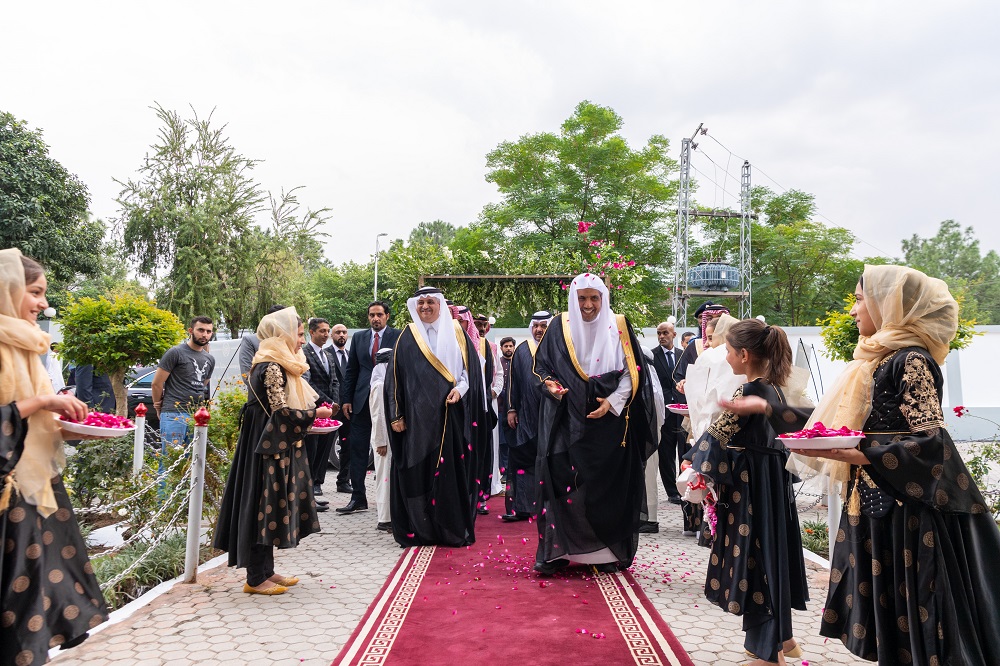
pixel 399 425
pixel 347 410
pixel 453 396
pixel 680 386
pixel 556 390
pixel 512 419
pixel 381 450
pixel 602 409
pixel 751 404
pixel 334 411
pixel 851 456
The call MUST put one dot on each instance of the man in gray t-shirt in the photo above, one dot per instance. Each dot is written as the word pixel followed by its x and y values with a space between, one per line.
pixel 181 381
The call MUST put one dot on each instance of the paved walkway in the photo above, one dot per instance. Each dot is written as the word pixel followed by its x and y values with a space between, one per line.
pixel 344 566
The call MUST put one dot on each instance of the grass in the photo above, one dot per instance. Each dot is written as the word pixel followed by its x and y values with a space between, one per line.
pixel 816 537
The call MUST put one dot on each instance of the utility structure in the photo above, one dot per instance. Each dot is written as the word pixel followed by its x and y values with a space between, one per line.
pixel 710 279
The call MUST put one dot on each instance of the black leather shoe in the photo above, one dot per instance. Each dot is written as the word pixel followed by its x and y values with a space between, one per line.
pixel 353 506
pixel 344 488
pixel 549 568
pixel 320 508
pixel 483 511
pixel 648 527
pixel 675 500
pixel 317 490
pixel 607 567
pixel 513 517
pixel 384 527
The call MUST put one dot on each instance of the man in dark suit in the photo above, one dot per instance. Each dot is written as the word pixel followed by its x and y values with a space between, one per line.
pixel 323 379
pixel 338 335
pixel 357 384
pixel 673 438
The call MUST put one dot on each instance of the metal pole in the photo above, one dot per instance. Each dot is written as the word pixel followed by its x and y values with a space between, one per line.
pixel 139 447
pixel 375 290
pixel 832 512
pixel 746 248
pixel 201 419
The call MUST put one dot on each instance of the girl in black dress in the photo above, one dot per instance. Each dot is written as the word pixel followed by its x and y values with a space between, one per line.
pixel 268 501
pixel 756 569
pixel 48 593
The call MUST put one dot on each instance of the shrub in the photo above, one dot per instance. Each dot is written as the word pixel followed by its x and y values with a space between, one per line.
pixel 816 537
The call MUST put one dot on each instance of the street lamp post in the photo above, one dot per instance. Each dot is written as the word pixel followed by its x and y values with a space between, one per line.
pixel 375 290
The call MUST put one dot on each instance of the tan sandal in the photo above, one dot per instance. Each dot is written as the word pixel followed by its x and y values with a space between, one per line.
pixel 274 589
pixel 284 581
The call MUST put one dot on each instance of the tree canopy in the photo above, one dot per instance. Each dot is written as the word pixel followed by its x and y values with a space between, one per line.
pixel 44 207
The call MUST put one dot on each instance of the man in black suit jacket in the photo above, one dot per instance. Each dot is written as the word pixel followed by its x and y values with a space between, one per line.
pixel 673 438
pixel 323 379
pixel 338 335
pixel 357 384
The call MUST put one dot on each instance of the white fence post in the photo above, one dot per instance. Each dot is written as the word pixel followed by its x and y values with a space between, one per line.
pixel 140 439
pixel 833 509
pixel 198 451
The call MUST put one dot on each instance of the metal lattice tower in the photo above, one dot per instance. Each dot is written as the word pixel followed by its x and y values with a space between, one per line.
pixel 680 299
pixel 746 252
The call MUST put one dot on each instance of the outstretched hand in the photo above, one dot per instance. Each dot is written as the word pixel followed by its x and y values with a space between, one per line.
pixel 556 390
pixel 745 406
pixel 602 409
pixel 850 456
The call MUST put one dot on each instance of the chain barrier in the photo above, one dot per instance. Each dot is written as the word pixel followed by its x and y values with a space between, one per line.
pixel 185 455
pixel 152 520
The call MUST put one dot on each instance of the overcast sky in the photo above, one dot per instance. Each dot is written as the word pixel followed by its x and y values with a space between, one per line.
pixel 888 112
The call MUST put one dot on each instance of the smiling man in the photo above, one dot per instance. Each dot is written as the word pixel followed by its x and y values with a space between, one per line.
pixel 596 427
pixel 435 405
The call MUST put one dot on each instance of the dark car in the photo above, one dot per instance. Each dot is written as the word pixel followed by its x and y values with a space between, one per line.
pixel 139 386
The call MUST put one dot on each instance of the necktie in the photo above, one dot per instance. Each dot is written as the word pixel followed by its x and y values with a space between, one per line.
pixel 323 359
pixel 670 358
pixel 374 349
pixel 343 360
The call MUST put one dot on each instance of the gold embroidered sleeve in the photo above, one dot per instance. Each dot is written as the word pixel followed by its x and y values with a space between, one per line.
pixel 727 424
pixel 274 381
pixel 920 403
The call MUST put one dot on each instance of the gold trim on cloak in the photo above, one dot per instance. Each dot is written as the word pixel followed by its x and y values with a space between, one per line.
pixel 460 336
pixel 482 347
pixel 633 367
pixel 429 355
pixel 571 349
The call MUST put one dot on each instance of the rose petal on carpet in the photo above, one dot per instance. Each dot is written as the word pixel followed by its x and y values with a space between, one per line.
pixel 455 605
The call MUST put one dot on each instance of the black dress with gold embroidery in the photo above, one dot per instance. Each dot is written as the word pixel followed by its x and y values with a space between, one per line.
pixel 756 568
pixel 48 593
pixel 915 575
pixel 268 499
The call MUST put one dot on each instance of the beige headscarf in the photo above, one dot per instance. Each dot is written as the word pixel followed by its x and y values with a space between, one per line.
pixel 909 309
pixel 278 333
pixel 22 375
pixel 722 325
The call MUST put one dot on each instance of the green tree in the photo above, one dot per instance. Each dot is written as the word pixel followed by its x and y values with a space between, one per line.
pixel 437 232
pixel 953 254
pixel 549 182
pixel 44 207
pixel 114 335
pixel 186 217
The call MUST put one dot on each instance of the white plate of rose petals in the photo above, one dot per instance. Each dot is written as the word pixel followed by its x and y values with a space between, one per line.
pixel 679 408
pixel 324 426
pixel 98 425
pixel 820 437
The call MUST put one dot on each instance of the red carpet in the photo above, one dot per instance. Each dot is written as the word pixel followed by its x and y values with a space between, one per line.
pixel 483 604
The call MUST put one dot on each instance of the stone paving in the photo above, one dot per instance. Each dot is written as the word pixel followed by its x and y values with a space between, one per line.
pixel 343 567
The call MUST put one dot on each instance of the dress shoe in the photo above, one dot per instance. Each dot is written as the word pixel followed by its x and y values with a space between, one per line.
pixel 675 500
pixel 483 511
pixel 274 589
pixel 317 490
pixel 607 567
pixel 384 527
pixel 513 517
pixel 353 506
pixel 344 488
pixel 320 508
pixel 648 527
pixel 549 568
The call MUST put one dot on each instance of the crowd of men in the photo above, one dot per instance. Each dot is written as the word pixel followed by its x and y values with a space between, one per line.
pixel 569 424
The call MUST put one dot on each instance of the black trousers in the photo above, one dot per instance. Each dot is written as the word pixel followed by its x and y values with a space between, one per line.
pixel 673 446
pixel 318 451
pixel 519 486
pixel 344 455
pixel 260 565
pixel 361 438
